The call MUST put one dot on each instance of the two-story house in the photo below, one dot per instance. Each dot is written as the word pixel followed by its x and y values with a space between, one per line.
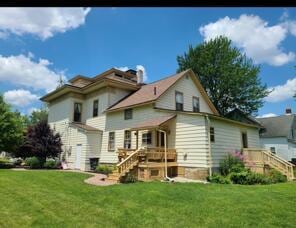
pixel 116 116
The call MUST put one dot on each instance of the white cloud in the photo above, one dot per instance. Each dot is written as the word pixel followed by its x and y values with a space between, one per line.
pixel 41 22
pixel 138 67
pixel 282 92
pixel 125 68
pixel 22 70
pixel 267 115
pixel 20 98
pixel 258 40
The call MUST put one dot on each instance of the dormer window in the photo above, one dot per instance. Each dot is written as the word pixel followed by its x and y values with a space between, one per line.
pixel 128 114
pixel 77 112
pixel 195 104
pixel 179 101
pixel 95 108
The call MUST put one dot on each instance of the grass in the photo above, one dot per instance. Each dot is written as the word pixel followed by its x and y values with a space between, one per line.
pixel 62 199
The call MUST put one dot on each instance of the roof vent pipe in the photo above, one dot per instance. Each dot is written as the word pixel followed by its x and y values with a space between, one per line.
pixel 140 76
pixel 154 90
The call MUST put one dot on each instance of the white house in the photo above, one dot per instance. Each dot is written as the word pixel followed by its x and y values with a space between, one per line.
pixel 114 115
pixel 280 135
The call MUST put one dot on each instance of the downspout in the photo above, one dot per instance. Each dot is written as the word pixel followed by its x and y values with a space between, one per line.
pixel 165 157
pixel 209 142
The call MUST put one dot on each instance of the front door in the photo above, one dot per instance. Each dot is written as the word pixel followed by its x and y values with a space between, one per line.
pixel 160 139
pixel 78 156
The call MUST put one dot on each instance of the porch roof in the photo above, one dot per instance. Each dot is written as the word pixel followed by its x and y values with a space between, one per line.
pixel 153 123
pixel 85 127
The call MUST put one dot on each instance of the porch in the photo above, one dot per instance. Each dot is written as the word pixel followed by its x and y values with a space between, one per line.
pixel 152 158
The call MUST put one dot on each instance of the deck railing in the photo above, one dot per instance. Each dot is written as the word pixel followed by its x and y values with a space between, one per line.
pixel 259 156
pixel 149 153
pixel 128 163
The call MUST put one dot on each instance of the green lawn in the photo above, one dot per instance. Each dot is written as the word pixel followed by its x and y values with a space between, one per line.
pixel 62 199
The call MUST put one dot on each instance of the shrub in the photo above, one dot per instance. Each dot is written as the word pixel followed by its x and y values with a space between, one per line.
pixel 33 162
pixel 219 179
pixel 104 169
pixel 249 178
pixel 276 176
pixel 17 161
pixel 231 162
pixel 130 178
pixel 51 164
pixel 5 164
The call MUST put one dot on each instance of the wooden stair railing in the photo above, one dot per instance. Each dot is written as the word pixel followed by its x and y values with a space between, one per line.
pixel 265 157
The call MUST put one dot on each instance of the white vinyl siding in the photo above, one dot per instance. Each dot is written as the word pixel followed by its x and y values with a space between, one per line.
pixel 283 148
pixel 228 139
pixel 188 88
pixel 191 140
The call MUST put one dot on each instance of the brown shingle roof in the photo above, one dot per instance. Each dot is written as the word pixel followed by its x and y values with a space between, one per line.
pixel 152 123
pixel 146 93
pixel 84 127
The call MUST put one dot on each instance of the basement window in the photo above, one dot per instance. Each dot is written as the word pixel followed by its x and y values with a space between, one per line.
pixel 154 172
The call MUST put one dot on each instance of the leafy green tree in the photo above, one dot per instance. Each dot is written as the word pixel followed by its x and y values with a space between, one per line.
pixel 41 142
pixel 39 115
pixel 229 77
pixel 11 128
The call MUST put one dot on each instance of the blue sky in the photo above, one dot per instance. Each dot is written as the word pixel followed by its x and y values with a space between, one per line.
pixel 43 44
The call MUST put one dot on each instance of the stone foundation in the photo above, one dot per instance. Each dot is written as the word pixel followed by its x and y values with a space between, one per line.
pixel 193 173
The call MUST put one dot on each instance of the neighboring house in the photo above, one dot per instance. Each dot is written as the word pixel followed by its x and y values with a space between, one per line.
pixel 116 116
pixel 280 135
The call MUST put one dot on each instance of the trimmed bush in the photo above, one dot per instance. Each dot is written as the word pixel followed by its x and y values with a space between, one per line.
pixel 104 169
pixel 50 164
pixel 276 176
pixel 219 179
pixel 17 161
pixel 33 162
pixel 249 178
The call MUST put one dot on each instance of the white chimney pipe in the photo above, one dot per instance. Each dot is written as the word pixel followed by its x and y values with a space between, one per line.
pixel 140 76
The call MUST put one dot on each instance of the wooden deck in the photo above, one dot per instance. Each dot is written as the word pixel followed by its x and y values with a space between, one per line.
pixel 257 159
pixel 145 163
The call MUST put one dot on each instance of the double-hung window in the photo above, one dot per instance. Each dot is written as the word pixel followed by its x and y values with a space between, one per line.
pixel 77 112
pixel 195 104
pixel 95 108
pixel 212 134
pixel 111 141
pixel 128 114
pixel 127 140
pixel 179 101
pixel 147 138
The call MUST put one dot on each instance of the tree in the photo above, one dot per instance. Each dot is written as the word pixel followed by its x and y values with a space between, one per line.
pixel 41 141
pixel 38 115
pixel 11 129
pixel 229 77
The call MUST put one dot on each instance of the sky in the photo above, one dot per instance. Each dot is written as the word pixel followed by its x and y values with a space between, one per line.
pixel 41 45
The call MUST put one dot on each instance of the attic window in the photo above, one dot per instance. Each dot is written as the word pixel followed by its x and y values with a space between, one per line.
pixel 179 101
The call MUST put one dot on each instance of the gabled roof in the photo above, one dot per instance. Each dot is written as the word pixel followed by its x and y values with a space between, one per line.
pixel 153 123
pixel 85 127
pixel 239 115
pixel 151 92
pixel 278 126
